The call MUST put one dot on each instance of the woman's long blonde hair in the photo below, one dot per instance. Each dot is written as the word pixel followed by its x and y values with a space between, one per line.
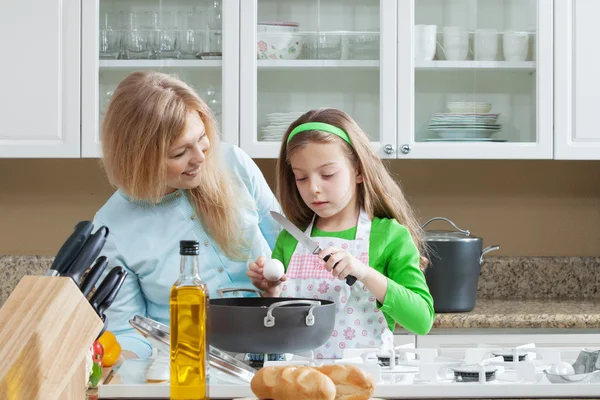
pixel 146 115
pixel 379 194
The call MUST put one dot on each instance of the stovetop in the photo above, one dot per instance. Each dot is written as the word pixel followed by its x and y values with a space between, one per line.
pixel 408 372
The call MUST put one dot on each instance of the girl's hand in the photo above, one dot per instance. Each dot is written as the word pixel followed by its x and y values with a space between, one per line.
pixel 347 264
pixel 255 273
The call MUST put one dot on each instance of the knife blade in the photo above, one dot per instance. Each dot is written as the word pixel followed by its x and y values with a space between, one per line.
pixel 87 255
pixel 306 241
pixel 92 277
pixel 70 248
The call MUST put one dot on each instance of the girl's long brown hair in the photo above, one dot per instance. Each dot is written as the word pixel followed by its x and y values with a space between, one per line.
pixel 379 194
pixel 146 115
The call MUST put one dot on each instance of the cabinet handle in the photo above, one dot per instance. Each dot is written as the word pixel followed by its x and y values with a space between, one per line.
pixel 405 148
pixel 389 149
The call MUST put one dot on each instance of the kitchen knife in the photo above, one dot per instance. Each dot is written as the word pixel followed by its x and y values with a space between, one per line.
pixel 106 289
pixel 92 277
pixel 71 248
pixel 306 241
pixel 88 254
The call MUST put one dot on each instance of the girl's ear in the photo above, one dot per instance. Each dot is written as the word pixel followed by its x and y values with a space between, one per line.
pixel 359 177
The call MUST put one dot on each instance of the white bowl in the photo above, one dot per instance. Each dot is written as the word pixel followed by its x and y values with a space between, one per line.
pixel 276 26
pixel 278 46
pixel 469 107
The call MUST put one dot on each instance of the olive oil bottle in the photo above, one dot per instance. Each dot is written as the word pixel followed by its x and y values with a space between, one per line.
pixel 189 314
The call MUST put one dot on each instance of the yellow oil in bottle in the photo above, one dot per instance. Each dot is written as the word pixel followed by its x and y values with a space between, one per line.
pixel 189 345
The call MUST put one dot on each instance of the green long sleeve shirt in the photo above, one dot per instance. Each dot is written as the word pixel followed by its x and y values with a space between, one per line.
pixel 393 253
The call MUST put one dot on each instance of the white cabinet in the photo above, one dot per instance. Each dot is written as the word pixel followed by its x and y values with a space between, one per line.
pixel 454 345
pixel 197 40
pixel 576 79
pixel 301 55
pixel 475 79
pixel 39 102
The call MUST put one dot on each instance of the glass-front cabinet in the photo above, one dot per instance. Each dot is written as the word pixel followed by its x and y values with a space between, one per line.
pixel 196 40
pixel 475 79
pixel 297 55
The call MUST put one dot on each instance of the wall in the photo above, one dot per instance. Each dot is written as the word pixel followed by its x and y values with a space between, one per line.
pixel 529 208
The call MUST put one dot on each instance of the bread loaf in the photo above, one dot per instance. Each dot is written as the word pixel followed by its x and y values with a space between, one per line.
pixel 351 382
pixel 328 382
pixel 292 383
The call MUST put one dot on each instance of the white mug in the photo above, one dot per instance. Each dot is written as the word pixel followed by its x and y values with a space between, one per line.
pixel 515 46
pixel 425 42
pixel 486 44
pixel 455 43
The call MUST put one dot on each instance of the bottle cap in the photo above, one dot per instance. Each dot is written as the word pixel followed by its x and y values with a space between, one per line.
pixel 189 248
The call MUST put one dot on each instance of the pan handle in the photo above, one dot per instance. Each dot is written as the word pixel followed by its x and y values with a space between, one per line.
pixel 465 231
pixel 487 250
pixel 221 292
pixel 310 318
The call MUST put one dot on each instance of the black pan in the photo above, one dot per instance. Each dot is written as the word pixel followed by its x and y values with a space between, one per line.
pixel 269 324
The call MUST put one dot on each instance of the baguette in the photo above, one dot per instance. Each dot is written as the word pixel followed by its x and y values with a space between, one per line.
pixel 351 382
pixel 292 383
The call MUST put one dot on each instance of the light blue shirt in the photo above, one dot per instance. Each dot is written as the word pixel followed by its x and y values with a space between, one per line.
pixel 144 239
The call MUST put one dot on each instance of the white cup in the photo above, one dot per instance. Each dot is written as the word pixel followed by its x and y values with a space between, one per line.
pixel 486 44
pixel 425 42
pixel 456 43
pixel 515 46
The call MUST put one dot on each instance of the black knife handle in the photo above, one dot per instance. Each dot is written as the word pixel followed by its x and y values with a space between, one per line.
pixel 108 300
pixel 94 274
pixel 350 280
pixel 72 246
pixel 105 287
pixel 88 254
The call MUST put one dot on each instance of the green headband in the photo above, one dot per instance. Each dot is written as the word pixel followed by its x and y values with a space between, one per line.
pixel 319 126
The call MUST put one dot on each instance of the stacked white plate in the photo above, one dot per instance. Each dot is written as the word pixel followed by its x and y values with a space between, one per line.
pixel 277 124
pixel 464 126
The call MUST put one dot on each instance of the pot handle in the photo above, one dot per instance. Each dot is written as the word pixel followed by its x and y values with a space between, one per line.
pixel 487 250
pixel 310 318
pixel 221 292
pixel 465 231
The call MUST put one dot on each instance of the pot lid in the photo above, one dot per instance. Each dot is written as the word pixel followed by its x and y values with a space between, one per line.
pixel 159 335
pixel 448 236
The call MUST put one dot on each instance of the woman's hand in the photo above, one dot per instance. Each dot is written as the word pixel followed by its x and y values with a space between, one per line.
pixel 255 273
pixel 347 264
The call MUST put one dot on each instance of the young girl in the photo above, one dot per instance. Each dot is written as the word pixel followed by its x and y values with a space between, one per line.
pixel 332 184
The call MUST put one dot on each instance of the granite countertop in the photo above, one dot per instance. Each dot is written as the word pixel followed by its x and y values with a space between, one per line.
pixel 519 314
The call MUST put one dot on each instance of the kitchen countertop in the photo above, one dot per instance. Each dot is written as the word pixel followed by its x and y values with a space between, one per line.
pixel 520 314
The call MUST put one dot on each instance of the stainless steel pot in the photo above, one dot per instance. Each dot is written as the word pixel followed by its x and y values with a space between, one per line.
pixel 455 258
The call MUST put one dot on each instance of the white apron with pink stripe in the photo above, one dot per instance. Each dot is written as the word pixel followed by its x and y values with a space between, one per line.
pixel 358 321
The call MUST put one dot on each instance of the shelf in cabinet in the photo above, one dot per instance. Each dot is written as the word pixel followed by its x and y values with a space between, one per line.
pixel 301 64
pixel 438 65
pixel 116 64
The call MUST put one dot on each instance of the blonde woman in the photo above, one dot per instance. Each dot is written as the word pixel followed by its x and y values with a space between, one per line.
pixel 332 184
pixel 175 182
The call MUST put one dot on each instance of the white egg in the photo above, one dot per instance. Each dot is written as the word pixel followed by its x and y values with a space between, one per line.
pixel 562 368
pixel 273 269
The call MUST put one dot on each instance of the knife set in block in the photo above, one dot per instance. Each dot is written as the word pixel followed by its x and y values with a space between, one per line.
pixel 46 329
pixel 47 325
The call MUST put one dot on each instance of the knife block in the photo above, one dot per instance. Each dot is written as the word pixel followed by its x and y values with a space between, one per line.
pixel 46 329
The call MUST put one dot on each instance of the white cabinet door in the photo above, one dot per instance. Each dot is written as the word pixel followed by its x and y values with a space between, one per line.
pixel 475 79
pixel 39 101
pixel 299 55
pixel 455 345
pixel 577 81
pixel 196 40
